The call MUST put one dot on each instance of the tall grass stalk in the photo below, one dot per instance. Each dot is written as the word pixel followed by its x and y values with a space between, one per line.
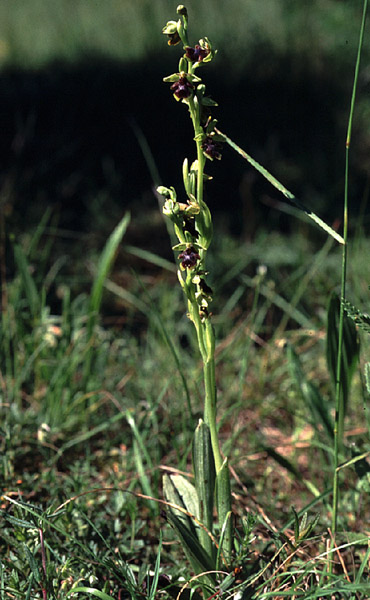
pixel 339 405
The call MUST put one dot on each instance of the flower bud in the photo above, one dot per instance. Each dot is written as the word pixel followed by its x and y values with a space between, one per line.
pixel 167 192
pixel 181 10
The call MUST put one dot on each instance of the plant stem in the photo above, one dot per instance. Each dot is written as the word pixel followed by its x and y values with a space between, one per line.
pixel 204 328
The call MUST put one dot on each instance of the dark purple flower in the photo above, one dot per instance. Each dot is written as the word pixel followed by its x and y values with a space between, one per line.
pixel 189 257
pixel 211 148
pixel 196 54
pixel 182 88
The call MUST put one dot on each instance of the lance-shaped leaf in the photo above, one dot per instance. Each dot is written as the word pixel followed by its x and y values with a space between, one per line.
pixel 224 510
pixel 199 559
pixel 205 477
pixel 350 349
pixel 181 493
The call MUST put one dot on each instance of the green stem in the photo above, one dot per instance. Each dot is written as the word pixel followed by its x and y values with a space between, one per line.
pixel 205 330
pixel 210 410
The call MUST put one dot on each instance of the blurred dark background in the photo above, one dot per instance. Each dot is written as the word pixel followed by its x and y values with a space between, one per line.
pixel 80 82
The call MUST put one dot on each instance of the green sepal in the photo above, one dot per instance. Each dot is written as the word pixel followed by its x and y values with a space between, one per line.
pixel 223 503
pixel 208 101
pixel 171 78
pixel 192 78
pixel 181 246
pixel 170 28
pixel 205 477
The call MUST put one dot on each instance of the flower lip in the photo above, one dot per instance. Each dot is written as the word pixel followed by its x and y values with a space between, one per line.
pixel 196 54
pixel 211 148
pixel 173 39
pixel 182 88
pixel 189 258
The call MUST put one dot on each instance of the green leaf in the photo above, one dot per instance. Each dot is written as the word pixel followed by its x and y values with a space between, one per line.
pixel 223 502
pixel 179 491
pixel 205 477
pixel 196 555
pixel 350 349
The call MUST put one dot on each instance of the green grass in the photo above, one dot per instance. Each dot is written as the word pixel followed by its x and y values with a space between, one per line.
pixel 63 437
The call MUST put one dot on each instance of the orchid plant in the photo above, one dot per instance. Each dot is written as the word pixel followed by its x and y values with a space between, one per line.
pixel 192 223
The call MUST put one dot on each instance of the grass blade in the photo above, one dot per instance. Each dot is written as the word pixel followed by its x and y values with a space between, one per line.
pixel 310 394
pixel 104 266
pixel 90 592
pixel 105 263
pixel 279 186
